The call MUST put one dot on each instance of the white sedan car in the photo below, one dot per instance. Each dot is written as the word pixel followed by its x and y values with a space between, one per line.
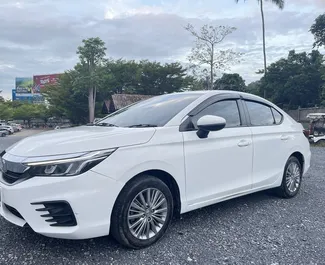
pixel 129 173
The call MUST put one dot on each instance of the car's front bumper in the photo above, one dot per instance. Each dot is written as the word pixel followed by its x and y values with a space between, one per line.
pixel 90 195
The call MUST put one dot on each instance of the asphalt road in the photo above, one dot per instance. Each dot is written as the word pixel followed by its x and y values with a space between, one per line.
pixel 255 229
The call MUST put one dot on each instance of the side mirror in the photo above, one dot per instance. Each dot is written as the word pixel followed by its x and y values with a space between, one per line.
pixel 209 123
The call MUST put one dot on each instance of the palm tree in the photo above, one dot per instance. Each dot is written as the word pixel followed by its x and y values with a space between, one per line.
pixel 280 4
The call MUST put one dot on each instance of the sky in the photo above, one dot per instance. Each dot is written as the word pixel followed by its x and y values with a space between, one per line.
pixel 42 36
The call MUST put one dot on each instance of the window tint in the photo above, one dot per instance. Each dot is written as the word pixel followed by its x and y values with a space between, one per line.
pixel 260 115
pixel 277 116
pixel 156 111
pixel 226 109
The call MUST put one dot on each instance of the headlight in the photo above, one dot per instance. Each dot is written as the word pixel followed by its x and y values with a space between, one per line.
pixel 67 166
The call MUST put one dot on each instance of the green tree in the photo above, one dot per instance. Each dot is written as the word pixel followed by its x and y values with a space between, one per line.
pixel 199 84
pixel 278 3
pixel 122 76
pixel 254 88
pixel 206 54
pixel 159 79
pixel 144 77
pixel 68 98
pixel 318 30
pixel 230 82
pixel 25 112
pixel 295 81
pixel 5 111
pixel 91 55
pixel 1 98
pixel 65 101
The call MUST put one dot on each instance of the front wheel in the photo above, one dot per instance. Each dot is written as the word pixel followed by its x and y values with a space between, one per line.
pixel 142 212
pixel 292 178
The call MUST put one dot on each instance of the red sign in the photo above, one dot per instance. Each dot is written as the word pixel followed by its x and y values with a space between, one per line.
pixel 41 80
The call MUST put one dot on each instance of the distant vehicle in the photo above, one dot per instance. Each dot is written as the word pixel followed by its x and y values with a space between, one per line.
pixel 62 127
pixel 316 132
pixel 16 127
pixel 128 174
pixel 3 132
pixel 8 128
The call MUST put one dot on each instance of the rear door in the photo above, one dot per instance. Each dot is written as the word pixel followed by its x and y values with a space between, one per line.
pixel 272 140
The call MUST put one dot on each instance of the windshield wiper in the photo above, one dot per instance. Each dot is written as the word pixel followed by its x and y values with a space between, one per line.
pixel 143 125
pixel 105 124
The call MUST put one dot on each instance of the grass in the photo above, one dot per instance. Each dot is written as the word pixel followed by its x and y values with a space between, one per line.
pixel 318 144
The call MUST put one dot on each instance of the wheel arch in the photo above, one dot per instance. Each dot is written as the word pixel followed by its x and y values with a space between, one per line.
pixel 300 158
pixel 168 179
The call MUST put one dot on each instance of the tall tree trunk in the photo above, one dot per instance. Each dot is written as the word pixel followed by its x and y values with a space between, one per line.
pixel 264 49
pixel 211 68
pixel 91 104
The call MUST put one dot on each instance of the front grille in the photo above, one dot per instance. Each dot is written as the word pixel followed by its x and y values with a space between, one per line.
pixel 12 177
pixel 12 169
pixel 59 213
pixel 13 211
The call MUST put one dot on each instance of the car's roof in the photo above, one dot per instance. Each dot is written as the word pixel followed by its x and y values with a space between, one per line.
pixel 216 92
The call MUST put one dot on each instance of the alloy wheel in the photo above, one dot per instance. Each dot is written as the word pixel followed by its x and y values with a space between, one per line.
pixel 147 213
pixel 293 177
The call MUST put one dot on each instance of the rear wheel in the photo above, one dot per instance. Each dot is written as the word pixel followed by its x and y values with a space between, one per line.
pixel 3 135
pixel 142 212
pixel 292 178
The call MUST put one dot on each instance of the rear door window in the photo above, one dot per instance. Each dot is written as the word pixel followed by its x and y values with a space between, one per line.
pixel 260 114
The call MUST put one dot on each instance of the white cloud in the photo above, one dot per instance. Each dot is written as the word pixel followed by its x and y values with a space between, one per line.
pixel 41 36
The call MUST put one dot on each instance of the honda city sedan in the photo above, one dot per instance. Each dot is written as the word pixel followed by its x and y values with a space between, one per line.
pixel 128 174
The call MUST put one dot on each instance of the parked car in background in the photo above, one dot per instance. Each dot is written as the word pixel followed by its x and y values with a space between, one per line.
pixel 3 132
pixel 128 174
pixel 8 128
pixel 16 127
pixel 316 132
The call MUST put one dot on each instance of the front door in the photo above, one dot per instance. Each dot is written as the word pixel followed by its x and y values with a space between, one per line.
pixel 220 165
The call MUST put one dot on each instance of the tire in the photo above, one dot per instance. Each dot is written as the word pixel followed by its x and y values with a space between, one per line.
pixel 286 190
pixel 3 135
pixel 121 226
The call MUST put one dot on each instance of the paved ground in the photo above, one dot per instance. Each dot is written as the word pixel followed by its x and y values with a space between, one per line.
pixel 255 229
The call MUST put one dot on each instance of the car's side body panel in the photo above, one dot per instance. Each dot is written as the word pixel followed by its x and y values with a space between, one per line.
pixel 217 166
pixel 164 152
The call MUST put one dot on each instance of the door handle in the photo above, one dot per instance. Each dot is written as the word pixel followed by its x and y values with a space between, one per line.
pixel 285 137
pixel 244 143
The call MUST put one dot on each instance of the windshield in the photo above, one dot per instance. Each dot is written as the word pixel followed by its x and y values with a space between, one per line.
pixel 153 112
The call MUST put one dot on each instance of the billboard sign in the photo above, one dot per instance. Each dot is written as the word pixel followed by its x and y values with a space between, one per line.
pixel 24 85
pixel 13 94
pixel 40 81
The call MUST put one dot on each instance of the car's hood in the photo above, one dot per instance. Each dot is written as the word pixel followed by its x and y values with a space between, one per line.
pixel 80 139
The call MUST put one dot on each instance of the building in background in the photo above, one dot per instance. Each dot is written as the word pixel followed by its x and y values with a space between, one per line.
pixel 119 101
